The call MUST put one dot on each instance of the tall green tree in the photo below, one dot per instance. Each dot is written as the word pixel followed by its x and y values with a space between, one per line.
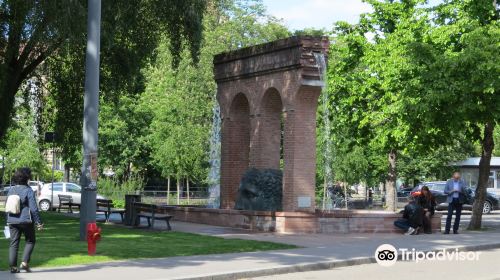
pixel 131 31
pixel 460 67
pixel 368 81
pixel 33 31
pixel 21 148
pixel 181 100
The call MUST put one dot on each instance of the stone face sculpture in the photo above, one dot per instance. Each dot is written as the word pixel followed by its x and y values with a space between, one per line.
pixel 260 190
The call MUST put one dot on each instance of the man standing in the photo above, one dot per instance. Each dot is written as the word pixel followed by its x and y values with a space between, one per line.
pixel 455 188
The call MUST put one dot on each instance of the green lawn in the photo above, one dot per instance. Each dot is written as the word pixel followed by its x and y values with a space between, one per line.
pixel 58 244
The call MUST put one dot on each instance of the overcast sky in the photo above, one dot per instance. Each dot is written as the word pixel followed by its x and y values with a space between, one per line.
pixel 299 14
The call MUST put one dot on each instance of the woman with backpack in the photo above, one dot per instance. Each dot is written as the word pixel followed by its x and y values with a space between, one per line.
pixel 22 215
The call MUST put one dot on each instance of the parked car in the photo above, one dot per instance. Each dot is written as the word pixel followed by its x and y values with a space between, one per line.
pixel 60 188
pixel 437 189
pixel 404 192
pixel 36 186
pixel 4 190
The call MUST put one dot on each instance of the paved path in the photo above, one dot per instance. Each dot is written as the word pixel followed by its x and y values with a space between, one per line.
pixel 318 252
pixel 486 268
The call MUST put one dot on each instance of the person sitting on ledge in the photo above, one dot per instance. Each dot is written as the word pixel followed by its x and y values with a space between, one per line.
pixel 412 218
pixel 428 203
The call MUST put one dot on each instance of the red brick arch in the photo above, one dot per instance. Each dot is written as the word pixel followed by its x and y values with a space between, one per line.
pixel 268 131
pixel 260 89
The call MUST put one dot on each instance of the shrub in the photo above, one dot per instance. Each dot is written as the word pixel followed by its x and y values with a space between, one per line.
pixel 116 190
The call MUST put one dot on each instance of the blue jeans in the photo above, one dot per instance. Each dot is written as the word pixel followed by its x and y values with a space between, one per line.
pixel 456 206
pixel 403 224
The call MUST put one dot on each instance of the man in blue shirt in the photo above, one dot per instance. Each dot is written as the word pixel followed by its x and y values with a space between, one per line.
pixel 455 188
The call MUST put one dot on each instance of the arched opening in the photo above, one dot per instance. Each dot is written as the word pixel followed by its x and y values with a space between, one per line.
pixel 236 143
pixel 270 131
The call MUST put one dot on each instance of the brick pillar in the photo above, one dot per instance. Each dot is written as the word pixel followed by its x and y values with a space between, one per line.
pixel 299 178
pixel 235 152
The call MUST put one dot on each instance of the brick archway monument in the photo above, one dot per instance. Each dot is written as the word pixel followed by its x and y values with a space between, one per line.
pixel 262 90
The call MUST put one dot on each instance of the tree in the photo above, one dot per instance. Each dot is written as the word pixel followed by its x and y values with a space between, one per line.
pixel 442 76
pixel 496 138
pixel 64 107
pixel 381 93
pixel 131 31
pixel 122 135
pixel 33 31
pixel 460 70
pixel 181 100
pixel 368 83
pixel 21 147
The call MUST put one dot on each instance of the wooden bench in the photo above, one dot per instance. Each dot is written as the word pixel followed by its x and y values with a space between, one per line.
pixel 106 206
pixel 66 201
pixel 151 212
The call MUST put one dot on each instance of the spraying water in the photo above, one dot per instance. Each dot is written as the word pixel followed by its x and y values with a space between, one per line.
pixel 214 160
pixel 328 155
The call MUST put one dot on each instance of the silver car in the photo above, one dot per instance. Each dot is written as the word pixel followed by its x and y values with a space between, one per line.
pixel 64 188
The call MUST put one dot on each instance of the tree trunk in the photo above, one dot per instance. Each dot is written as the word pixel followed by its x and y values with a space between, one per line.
pixel 324 195
pixel 126 176
pixel 9 87
pixel 178 191
pixel 390 183
pixel 487 146
pixel 168 190
pixel 345 195
pixel 187 189
pixel 67 170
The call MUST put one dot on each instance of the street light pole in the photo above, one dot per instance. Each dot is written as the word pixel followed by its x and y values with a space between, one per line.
pixel 53 167
pixel 90 116
pixel 50 137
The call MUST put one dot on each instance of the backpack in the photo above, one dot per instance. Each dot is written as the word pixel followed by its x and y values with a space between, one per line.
pixel 13 204
pixel 415 214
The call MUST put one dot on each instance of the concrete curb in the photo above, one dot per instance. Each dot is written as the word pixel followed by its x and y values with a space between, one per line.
pixel 285 269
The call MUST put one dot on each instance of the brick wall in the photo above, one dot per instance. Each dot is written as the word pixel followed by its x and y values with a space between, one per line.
pixel 336 222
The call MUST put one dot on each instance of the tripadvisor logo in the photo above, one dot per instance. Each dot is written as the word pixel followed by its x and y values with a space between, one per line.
pixel 387 255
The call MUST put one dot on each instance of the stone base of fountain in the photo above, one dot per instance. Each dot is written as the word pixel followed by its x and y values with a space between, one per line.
pixel 331 222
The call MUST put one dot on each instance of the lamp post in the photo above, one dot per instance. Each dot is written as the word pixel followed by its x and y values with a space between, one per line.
pixel 90 117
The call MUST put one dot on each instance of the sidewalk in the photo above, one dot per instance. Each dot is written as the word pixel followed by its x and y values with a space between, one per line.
pixel 318 252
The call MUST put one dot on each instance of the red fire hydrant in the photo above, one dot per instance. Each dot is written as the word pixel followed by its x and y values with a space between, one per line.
pixel 93 235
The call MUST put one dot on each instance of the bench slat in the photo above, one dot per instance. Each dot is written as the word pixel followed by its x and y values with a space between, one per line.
pixel 151 212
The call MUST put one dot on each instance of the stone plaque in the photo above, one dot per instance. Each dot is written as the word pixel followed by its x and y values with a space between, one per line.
pixel 304 201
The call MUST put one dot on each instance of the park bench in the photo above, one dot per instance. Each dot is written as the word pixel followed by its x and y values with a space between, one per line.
pixel 151 212
pixel 107 207
pixel 66 201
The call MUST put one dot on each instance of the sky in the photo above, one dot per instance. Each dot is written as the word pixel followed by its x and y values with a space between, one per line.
pixel 300 14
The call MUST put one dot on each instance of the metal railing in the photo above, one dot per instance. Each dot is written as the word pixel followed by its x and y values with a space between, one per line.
pixel 193 198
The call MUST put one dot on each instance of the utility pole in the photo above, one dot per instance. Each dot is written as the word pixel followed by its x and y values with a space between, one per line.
pixel 90 117
pixel 50 137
